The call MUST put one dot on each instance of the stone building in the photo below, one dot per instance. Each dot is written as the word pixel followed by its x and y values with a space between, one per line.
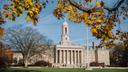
pixel 44 56
pixel 68 54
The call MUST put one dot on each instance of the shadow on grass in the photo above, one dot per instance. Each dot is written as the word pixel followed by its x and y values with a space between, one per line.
pixel 8 70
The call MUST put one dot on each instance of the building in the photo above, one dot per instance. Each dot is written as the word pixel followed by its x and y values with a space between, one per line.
pixel 44 56
pixel 6 54
pixel 68 54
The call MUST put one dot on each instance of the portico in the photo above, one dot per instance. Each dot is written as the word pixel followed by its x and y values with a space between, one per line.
pixel 69 56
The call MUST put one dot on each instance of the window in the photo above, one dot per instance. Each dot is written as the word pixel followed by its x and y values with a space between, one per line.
pixel 65 30
pixel 66 38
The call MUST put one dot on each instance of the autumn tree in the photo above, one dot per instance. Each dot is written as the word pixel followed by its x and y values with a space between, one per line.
pixel 119 49
pixel 99 17
pixel 27 41
pixel 96 14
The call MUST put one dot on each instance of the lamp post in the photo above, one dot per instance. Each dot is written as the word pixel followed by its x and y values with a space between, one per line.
pixel 87 50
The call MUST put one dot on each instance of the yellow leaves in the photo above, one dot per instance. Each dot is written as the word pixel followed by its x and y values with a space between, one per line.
pixel 107 36
pixel 36 11
pixel 28 3
pixel 10 16
pixel 70 8
pixel 30 13
pixel 18 14
pixel 16 1
pixel 19 8
pixel 73 14
pixel 88 22
pixel 98 4
pixel 38 6
pixel 14 10
pixel 58 13
pixel 5 13
pixel 94 31
pixel 60 2
pixel 102 33
pixel 27 18
pixel 98 21
pixel 88 1
pixel 85 16
pixel 1 31
pixel 110 34
pixel 6 7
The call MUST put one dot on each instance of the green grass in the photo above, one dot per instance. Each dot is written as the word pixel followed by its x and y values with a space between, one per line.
pixel 60 70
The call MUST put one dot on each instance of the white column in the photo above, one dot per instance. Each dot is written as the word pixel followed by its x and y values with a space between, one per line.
pixel 56 56
pixel 67 56
pixel 75 55
pixel 78 57
pixel 60 56
pixel 81 57
pixel 64 56
pixel 71 56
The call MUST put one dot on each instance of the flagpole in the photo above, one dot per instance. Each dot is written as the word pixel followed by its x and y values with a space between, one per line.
pixel 87 51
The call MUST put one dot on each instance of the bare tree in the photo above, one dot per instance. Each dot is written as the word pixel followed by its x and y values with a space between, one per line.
pixel 27 41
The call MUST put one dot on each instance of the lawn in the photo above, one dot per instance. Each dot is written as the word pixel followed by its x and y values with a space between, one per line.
pixel 60 70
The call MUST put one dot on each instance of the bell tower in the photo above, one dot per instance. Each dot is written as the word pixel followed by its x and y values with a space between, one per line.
pixel 65 33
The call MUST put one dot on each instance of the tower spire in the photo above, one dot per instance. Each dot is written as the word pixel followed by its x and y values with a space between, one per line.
pixel 65 33
pixel 65 19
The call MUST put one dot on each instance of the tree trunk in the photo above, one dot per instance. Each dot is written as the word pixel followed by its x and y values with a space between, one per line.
pixel 25 63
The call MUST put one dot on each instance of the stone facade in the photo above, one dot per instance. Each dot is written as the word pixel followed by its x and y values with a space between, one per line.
pixel 68 54
pixel 47 56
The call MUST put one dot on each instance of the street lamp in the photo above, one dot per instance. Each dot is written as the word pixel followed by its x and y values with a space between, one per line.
pixel 87 50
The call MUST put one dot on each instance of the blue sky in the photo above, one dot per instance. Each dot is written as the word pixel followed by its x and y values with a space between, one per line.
pixel 51 27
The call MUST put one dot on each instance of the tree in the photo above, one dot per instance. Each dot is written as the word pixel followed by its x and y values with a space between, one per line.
pixel 119 53
pixel 99 17
pixel 27 41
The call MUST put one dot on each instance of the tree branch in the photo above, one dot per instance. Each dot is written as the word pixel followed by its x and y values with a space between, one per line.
pixel 75 4
pixel 78 6
pixel 116 7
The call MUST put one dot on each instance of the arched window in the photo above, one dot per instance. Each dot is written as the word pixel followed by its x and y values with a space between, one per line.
pixel 66 38
pixel 65 30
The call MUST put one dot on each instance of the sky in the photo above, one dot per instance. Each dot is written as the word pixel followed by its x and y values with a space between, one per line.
pixel 51 27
